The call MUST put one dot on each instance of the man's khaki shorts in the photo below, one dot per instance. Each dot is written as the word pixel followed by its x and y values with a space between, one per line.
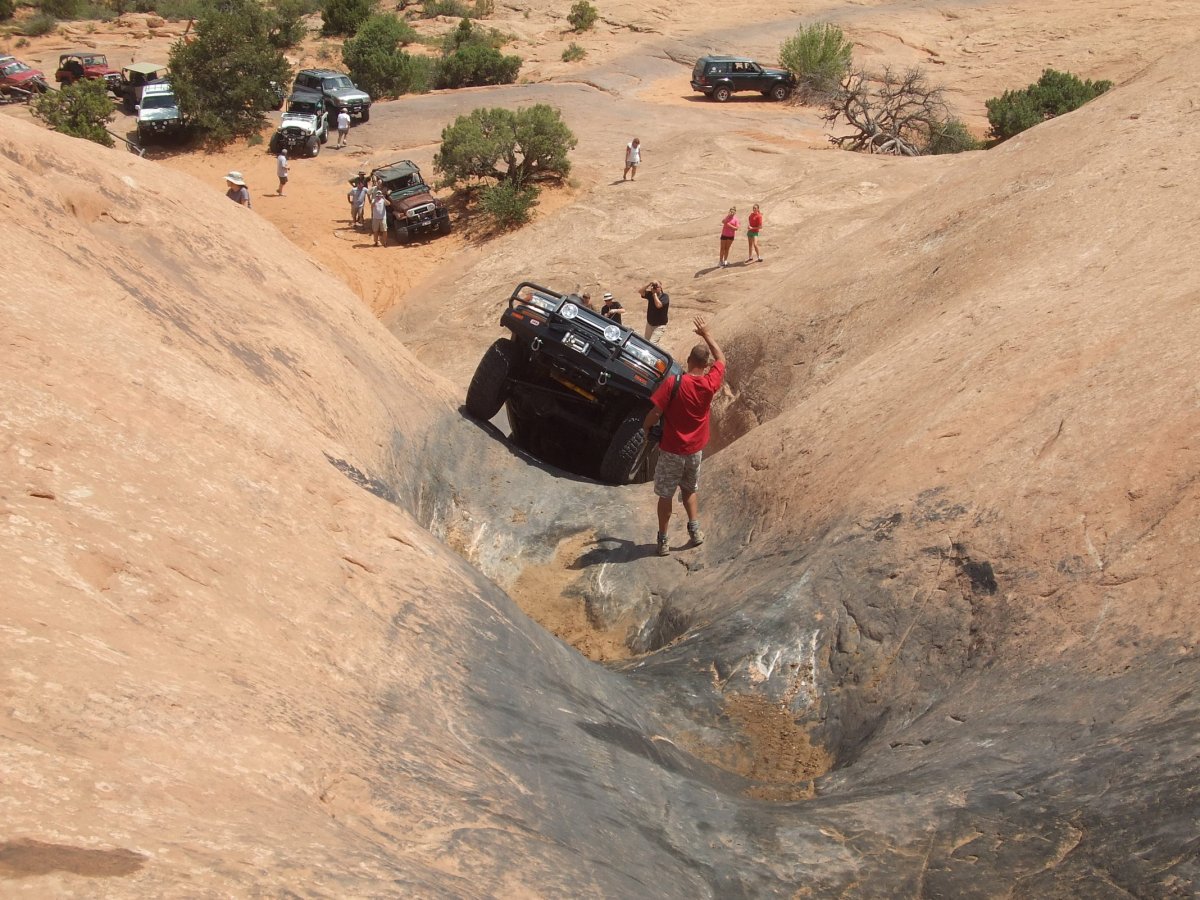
pixel 675 471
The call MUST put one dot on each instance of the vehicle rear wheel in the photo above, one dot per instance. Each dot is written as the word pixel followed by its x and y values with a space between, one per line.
pixel 625 452
pixel 721 93
pixel 486 393
pixel 779 92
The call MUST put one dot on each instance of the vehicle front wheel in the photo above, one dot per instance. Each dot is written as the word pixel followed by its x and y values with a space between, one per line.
pixel 314 146
pixel 444 226
pixel 779 92
pixel 366 115
pixel 625 452
pixel 325 136
pixel 489 384
pixel 721 94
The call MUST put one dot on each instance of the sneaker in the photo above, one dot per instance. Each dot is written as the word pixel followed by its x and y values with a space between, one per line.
pixel 696 535
pixel 663 549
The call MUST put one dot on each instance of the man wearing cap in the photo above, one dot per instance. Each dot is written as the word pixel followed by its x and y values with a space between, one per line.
pixel 238 192
pixel 379 205
pixel 281 169
pixel 343 126
pixel 612 308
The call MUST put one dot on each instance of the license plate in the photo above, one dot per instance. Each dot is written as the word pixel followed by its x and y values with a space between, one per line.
pixel 576 343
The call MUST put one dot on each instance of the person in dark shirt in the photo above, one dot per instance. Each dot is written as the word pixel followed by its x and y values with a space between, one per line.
pixel 658 304
pixel 612 308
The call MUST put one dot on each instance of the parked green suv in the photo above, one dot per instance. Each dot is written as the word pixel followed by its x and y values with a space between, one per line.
pixel 720 77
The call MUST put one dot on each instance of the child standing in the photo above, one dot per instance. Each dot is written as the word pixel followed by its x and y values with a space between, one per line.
pixel 753 226
pixel 729 227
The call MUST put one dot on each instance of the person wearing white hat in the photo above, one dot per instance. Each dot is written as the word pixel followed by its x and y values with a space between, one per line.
pixel 238 192
pixel 612 308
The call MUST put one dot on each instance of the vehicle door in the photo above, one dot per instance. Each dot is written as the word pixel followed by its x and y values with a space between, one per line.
pixel 756 78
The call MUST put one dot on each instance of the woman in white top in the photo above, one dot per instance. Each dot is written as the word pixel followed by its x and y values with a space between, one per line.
pixel 633 156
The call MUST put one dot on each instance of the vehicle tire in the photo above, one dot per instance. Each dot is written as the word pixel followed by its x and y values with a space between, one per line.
pixel 274 146
pixel 625 451
pixel 489 384
pixel 444 226
pixel 721 93
pixel 324 135
pixel 314 146
pixel 779 92
pixel 400 232
pixel 366 116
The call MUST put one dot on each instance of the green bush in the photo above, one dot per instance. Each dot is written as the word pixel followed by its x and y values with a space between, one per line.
pixel 379 67
pixel 61 9
pixel 582 16
pixel 456 8
pixel 471 65
pixel 1051 95
pixel 573 53
pixel 223 79
pixel 7 8
pixel 287 28
pixel 179 10
pixel 345 16
pixel 508 205
pixel 520 146
pixel 81 110
pixel 36 26
pixel 951 137
pixel 819 55
pixel 468 34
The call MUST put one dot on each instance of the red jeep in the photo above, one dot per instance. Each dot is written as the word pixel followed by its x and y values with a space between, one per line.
pixel 14 74
pixel 79 64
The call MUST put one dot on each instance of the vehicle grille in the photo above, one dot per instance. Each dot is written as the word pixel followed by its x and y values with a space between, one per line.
pixel 425 210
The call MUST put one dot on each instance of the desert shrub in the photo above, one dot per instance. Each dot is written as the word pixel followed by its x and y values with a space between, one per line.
pixel 379 67
pixel 36 26
pixel 345 16
pixel 456 8
pixel 7 8
pixel 471 65
pixel 81 110
pixel 573 53
pixel 1051 95
pixel 582 16
pixel 286 22
pixel 521 146
pixel 467 34
pixel 223 79
pixel 508 205
pixel 178 10
pixel 61 9
pixel 887 112
pixel 819 56
pixel 951 136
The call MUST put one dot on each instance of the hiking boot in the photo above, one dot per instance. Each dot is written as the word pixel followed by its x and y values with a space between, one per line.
pixel 663 549
pixel 696 535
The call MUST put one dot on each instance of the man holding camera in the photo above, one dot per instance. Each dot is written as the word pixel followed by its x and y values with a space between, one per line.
pixel 684 410
pixel 658 304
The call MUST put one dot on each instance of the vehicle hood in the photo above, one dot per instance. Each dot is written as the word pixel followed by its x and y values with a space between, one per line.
pixel 412 200
pixel 19 77
pixel 350 95
pixel 299 121
pixel 782 73
pixel 159 115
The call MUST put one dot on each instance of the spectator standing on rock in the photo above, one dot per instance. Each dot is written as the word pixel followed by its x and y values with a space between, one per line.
pixel 379 205
pixel 237 192
pixel 358 197
pixel 612 308
pixel 658 309
pixel 684 410
pixel 729 227
pixel 754 225
pixel 281 169
pixel 633 159
pixel 343 126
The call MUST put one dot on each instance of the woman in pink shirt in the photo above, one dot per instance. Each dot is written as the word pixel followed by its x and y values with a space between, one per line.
pixel 729 227
pixel 753 226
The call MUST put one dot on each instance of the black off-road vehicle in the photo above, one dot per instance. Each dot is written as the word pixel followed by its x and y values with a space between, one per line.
pixel 576 385
pixel 720 77
pixel 414 209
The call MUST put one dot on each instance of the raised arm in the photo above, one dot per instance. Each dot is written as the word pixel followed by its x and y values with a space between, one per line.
pixel 713 347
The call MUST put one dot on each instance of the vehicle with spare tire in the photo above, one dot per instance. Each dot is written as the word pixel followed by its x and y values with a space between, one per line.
pixel 414 211
pixel 720 77
pixel 576 386
pixel 76 65
pixel 303 127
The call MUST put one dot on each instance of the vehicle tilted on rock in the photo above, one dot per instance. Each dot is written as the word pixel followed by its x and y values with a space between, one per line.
pixel 303 127
pixel 414 210
pixel 575 385
pixel 76 65
pixel 338 90
pixel 720 77
pixel 20 81
pixel 158 114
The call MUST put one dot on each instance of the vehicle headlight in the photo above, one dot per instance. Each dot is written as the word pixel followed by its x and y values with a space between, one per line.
pixel 612 334
pixel 569 311
pixel 646 357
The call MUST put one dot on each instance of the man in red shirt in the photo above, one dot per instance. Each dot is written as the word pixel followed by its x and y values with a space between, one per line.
pixel 685 414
